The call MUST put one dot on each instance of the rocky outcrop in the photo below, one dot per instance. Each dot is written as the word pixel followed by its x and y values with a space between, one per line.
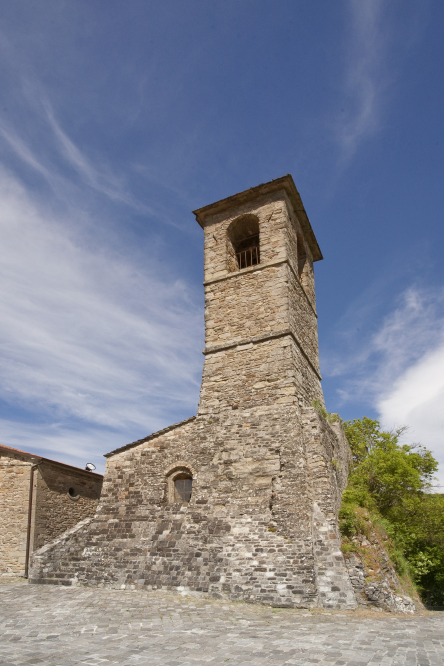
pixel 374 580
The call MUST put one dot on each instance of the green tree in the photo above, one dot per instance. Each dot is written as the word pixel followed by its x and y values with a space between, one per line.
pixel 385 473
pixel 394 481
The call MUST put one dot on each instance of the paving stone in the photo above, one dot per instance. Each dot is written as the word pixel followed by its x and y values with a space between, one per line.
pixel 137 628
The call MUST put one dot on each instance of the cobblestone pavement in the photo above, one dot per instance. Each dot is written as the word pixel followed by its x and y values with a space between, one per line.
pixel 66 626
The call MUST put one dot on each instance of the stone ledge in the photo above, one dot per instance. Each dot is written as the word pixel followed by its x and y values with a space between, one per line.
pixel 260 267
pixel 261 338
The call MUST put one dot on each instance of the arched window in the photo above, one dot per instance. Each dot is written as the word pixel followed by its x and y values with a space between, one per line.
pixel 179 483
pixel 243 234
pixel 183 484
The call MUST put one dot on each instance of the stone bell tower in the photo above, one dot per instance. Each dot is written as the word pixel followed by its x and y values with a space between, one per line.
pixel 241 500
pixel 261 344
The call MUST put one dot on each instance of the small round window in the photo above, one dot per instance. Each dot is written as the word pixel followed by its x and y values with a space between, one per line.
pixel 72 492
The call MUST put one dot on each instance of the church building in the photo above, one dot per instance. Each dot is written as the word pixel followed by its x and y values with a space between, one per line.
pixel 241 500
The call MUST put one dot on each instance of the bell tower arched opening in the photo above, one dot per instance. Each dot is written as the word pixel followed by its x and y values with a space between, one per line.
pixel 243 246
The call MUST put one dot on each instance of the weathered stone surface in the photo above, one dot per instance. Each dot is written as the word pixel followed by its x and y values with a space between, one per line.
pixel 53 508
pixel 381 588
pixel 68 626
pixel 14 492
pixel 267 470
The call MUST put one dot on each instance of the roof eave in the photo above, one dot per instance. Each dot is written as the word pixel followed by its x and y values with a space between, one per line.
pixel 36 460
pixel 138 442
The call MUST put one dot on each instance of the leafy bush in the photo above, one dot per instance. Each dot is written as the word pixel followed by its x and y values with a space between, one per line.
pixel 392 482
pixel 350 521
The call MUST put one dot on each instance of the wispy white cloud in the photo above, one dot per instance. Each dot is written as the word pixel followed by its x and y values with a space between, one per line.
pixel 58 442
pixel 399 369
pixel 412 384
pixel 417 398
pixel 365 77
pixel 89 336
pixel 409 331
pixel 100 179
pixel 23 151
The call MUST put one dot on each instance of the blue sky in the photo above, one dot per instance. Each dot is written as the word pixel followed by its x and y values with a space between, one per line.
pixel 119 118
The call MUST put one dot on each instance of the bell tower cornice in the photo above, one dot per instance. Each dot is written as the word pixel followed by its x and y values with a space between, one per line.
pixel 285 183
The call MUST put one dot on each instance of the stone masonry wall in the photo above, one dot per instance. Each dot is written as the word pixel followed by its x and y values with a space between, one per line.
pixel 53 510
pixel 262 310
pixel 267 469
pixel 245 534
pixel 302 318
pixel 260 322
pixel 329 458
pixel 14 494
pixel 279 231
pixel 247 375
pixel 56 510
pixel 294 237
